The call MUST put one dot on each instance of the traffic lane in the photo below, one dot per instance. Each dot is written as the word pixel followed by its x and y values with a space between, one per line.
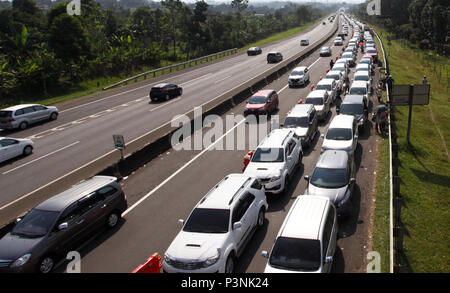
pixel 213 72
pixel 190 183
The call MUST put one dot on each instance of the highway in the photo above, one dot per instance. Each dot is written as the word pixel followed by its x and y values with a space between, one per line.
pixel 168 187
pixel 83 132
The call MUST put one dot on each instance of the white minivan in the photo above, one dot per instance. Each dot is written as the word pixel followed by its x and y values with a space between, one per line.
pixel 307 239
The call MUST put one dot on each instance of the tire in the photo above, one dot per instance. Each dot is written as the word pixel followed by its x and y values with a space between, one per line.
pixel 27 150
pixel 113 219
pixel 261 218
pixel 46 265
pixel 23 125
pixel 53 116
pixel 167 97
pixel 229 265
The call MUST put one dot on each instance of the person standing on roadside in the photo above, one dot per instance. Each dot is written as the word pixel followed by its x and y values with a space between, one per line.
pixel 331 63
pixel 381 113
pixel 424 80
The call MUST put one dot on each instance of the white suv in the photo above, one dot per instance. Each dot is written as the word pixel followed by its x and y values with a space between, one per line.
pixel 307 239
pixel 218 228
pixel 299 76
pixel 341 135
pixel 276 159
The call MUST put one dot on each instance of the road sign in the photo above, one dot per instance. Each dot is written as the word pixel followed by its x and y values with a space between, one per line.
pixel 401 94
pixel 119 142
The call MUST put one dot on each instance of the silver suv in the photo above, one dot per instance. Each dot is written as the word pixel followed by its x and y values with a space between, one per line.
pixel 334 178
pixel 21 116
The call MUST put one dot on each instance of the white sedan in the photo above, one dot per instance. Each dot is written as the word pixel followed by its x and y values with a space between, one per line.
pixel 13 147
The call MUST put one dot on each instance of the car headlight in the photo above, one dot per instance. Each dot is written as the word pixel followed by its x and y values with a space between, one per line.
pixel 276 176
pixel 21 260
pixel 213 259
pixel 168 258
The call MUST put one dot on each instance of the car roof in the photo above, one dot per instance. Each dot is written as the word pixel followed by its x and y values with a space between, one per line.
pixel 17 107
pixel 264 93
pixel 75 193
pixel 305 217
pixel 300 110
pixel 353 99
pixel 334 72
pixel 276 138
pixel 300 68
pixel 161 85
pixel 222 195
pixel 359 83
pixel 333 159
pixel 316 94
pixel 365 65
pixel 326 81
pixel 342 121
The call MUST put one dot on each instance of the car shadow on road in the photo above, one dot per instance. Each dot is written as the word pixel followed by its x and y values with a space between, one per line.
pixel 13 160
pixel 338 265
pixel 90 244
pixel 311 147
pixel 348 225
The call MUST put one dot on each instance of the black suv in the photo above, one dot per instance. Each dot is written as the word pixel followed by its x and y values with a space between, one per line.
pixel 274 57
pixel 303 119
pixel 60 224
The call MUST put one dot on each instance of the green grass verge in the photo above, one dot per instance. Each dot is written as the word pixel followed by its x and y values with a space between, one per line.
pixel 425 167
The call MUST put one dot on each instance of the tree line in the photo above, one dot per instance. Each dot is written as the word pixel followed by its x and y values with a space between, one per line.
pixel 423 22
pixel 43 53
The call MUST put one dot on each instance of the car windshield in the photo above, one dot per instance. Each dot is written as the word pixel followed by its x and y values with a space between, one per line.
pixel 208 221
pixel 365 61
pixel 332 76
pixel 324 87
pixel 296 254
pixel 268 155
pixel 314 101
pixel 297 72
pixel 371 51
pixel 347 55
pixel 339 68
pixel 351 109
pixel 257 100
pixel 329 178
pixel 295 122
pixel 358 91
pixel 339 134
pixel 35 224
pixel 325 49
pixel 362 77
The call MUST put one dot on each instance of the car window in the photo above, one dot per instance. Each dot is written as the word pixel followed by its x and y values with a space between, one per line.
pixel 70 213
pixel 358 91
pixel 257 100
pixel 28 110
pixel 107 191
pixel 35 224
pixel 18 112
pixel 314 101
pixel 351 109
pixel 268 155
pixel 291 122
pixel 39 108
pixel 89 202
pixel 5 114
pixel 329 178
pixel 8 142
pixel 295 254
pixel 339 133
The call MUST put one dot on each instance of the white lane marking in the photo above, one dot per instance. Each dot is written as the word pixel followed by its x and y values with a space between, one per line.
pixel 195 79
pixel 179 170
pixel 309 67
pixel 165 104
pixel 217 81
pixel 49 154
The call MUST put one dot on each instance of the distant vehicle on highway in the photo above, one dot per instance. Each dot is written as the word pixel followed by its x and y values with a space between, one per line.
pixel 254 51
pixel 303 120
pixel 334 177
pixel 61 223
pixel 373 53
pixel 299 76
pixel 304 42
pixel 218 228
pixel 342 134
pixel 21 116
pixel 358 106
pixel 262 102
pixel 274 57
pixel 165 91
pixel 325 51
pixel 14 147
pixel 338 41
pixel 321 101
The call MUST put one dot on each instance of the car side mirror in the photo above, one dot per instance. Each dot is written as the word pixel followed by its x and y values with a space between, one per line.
pixel 322 135
pixel 306 177
pixel 63 226
pixel 18 220
pixel 265 254
pixel 356 136
pixel 328 259
pixel 181 222
pixel 237 225
pixel 352 180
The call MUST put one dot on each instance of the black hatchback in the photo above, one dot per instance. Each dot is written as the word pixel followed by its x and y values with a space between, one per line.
pixel 254 51
pixel 165 91
pixel 60 224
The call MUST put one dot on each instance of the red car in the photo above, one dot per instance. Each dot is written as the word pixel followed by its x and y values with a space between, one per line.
pixel 262 103
pixel 373 53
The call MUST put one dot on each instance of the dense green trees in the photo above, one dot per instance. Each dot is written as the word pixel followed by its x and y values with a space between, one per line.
pixel 41 54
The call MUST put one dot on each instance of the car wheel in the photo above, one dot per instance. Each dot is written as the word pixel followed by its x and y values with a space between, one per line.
pixel 27 150
pixel 113 219
pixel 46 265
pixel 53 116
pixel 23 125
pixel 229 266
pixel 167 97
pixel 261 217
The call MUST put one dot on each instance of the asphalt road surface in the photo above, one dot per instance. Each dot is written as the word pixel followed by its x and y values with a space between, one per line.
pixel 168 187
pixel 84 129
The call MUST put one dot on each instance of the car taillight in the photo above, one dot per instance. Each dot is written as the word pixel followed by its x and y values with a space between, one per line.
pixel 11 120
pixel 162 90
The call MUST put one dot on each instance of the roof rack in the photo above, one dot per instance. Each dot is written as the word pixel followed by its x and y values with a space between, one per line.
pixel 240 188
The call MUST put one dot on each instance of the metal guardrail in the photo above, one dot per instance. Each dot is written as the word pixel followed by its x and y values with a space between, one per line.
pixel 171 67
pixel 160 135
